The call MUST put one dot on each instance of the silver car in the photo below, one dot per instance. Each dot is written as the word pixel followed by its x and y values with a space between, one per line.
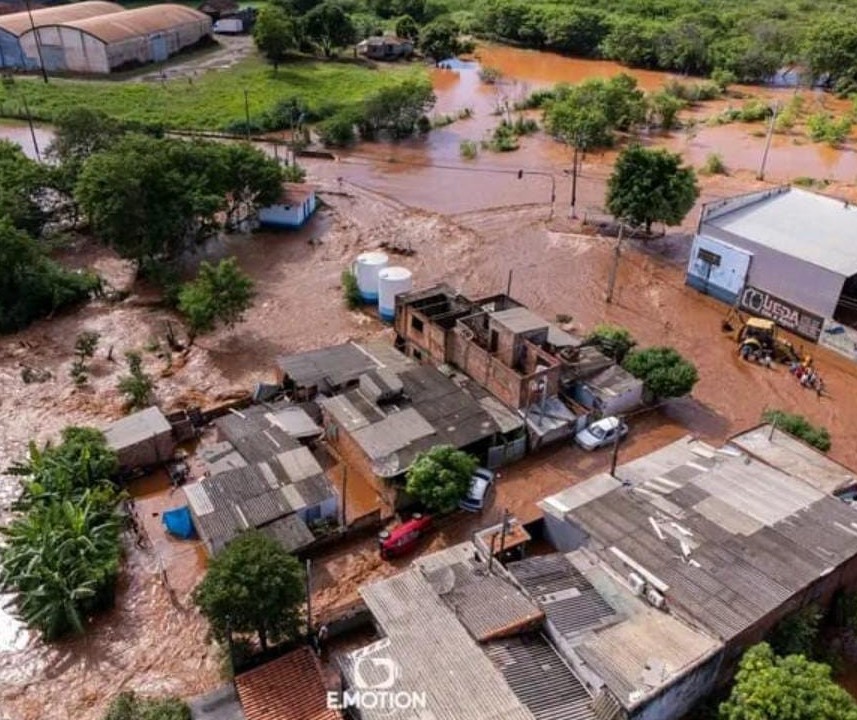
pixel 481 483
pixel 602 432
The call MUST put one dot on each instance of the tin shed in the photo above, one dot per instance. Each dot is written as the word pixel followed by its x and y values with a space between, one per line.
pixel 142 439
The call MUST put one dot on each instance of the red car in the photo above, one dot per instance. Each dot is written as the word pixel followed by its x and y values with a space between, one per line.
pixel 403 538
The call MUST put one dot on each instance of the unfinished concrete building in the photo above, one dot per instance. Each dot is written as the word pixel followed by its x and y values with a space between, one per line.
pixel 497 341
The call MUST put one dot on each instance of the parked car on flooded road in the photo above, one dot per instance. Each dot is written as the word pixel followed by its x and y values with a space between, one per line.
pixel 403 538
pixel 601 432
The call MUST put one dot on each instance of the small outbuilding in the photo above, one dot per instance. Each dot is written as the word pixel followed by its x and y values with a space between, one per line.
pixel 295 206
pixel 143 439
pixel 385 47
pixel 612 391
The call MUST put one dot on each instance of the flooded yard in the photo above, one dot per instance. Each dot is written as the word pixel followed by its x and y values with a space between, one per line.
pixel 469 223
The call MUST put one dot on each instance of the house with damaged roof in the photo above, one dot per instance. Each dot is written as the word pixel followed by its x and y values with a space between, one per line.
pixel 381 425
pixel 260 476
pixel 670 569
pixel 466 642
pixel 550 376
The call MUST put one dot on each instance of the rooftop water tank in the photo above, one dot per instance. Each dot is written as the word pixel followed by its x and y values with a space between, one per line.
pixel 366 269
pixel 391 282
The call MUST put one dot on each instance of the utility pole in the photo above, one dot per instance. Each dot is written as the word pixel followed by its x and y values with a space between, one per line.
pixel 615 455
pixel 503 533
pixel 611 283
pixel 38 42
pixel 509 285
pixel 574 180
pixel 761 175
pixel 344 495
pixel 247 115
pixel 32 129
pixel 309 596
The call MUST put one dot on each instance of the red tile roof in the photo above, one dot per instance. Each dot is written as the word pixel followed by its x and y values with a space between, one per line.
pixel 288 688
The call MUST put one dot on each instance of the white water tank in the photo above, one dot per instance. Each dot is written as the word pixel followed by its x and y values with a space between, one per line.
pixel 366 269
pixel 391 282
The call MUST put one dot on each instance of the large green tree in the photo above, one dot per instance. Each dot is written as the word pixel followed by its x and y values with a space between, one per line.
pixel 275 34
pixel 152 199
pixel 441 477
pixel 246 178
pixel 31 285
pixel 665 373
pixel 396 109
pixel 23 186
pixel 768 687
pixel 831 51
pixel 439 39
pixel 649 186
pixel 586 115
pixel 253 586
pixel 329 26
pixel 80 132
pixel 220 293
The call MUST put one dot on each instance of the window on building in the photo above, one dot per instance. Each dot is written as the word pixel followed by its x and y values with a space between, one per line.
pixel 416 324
pixel 417 355
pixel 494 341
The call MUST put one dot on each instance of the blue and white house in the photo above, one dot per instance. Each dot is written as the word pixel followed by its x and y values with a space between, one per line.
pixel 292 210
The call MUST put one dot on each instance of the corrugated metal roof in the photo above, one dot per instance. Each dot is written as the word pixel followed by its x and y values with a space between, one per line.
pixel 395 432
pixel 288 688
pixel 433 410
pixel 139 22
pixel 136 428
pixel 731 538
pixel 299 464
pixel 18 23
pixel 487 605
pixel 294 421
pixel 336 365
pixel 541 679
pixel 794 457
pixel 568 599
pixel 433 654
pixel 290 532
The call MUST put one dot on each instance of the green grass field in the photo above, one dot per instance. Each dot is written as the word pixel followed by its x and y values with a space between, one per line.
pixel 213 100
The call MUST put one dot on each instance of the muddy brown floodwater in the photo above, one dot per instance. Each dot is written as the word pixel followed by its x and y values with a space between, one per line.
pixel 469 224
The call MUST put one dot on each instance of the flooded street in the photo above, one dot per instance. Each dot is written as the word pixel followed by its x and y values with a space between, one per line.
pixel 469 223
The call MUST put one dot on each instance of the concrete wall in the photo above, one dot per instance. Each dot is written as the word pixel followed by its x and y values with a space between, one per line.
pixel 356 460
pixel 501 381
pixel 808 286
pixel 676 700
pixel 724 281
pixel 431 340
pixel 147 453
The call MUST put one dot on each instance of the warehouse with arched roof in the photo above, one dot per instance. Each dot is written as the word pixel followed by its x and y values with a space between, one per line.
pixel 13 25
pixel 108 42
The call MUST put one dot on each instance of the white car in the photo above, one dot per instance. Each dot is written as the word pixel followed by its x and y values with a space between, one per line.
pixel 481 483
pixel 600 433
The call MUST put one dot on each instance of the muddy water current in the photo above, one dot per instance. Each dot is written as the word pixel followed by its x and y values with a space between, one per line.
pixel 470 222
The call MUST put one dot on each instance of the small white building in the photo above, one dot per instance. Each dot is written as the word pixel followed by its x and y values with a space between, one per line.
pixel 293 209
